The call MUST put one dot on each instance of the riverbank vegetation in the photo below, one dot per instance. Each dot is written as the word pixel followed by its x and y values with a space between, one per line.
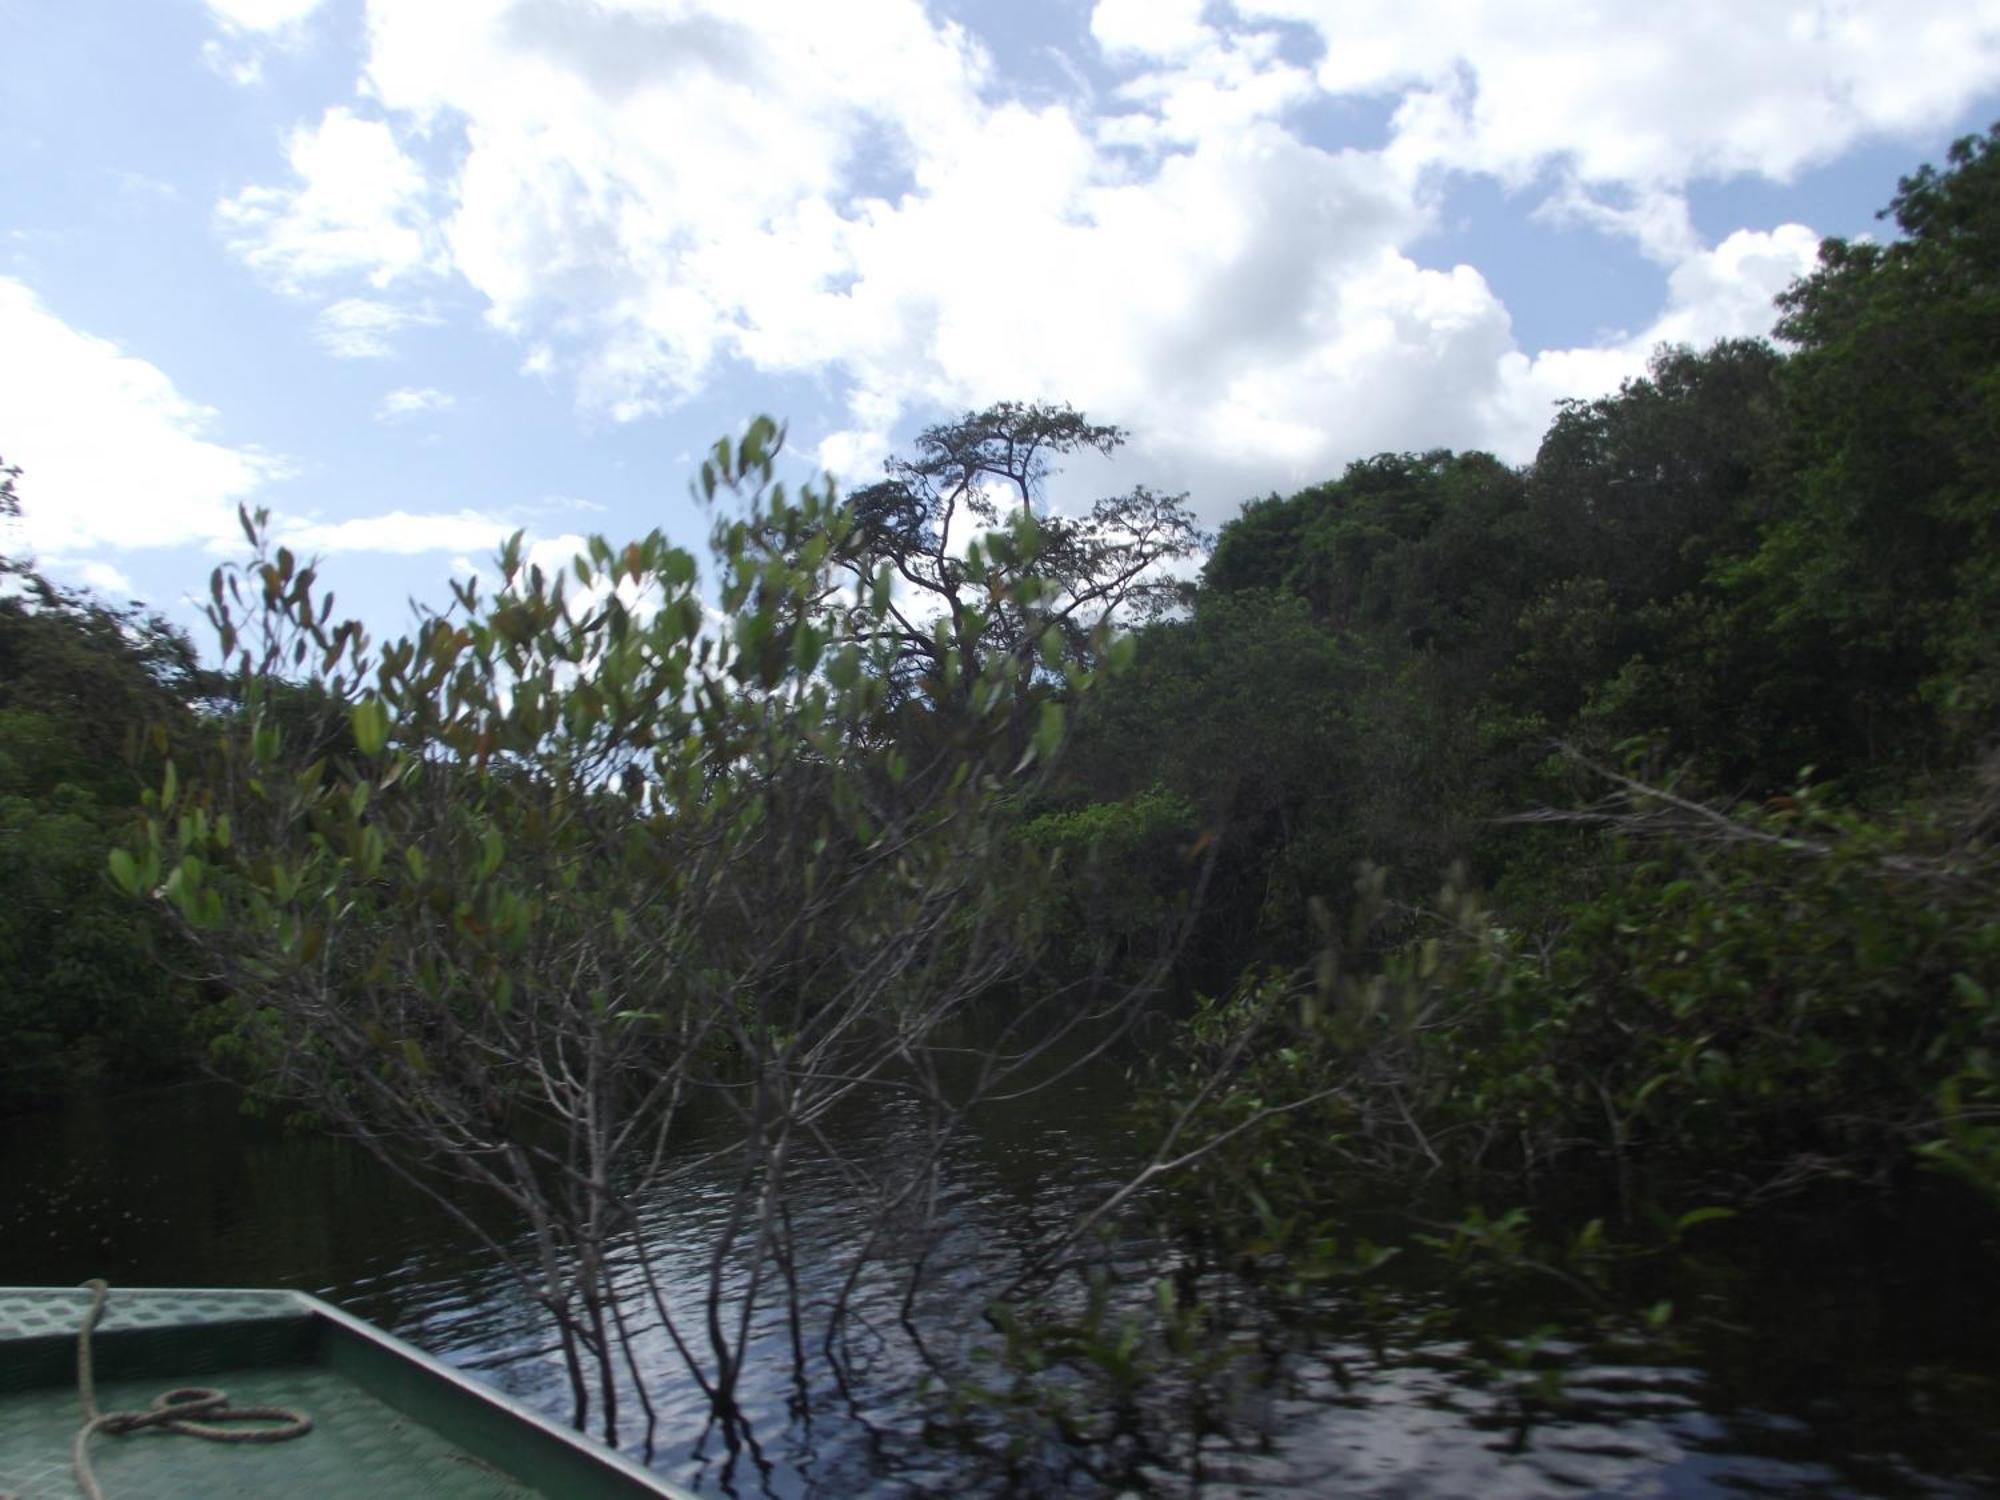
pixel 1606 877
pixel 94 697
pixel 1545 874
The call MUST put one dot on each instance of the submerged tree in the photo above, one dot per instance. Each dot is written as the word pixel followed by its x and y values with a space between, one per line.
pixel 516 897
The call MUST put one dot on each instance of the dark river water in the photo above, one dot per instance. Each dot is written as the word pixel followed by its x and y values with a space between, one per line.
pixel 1859 1359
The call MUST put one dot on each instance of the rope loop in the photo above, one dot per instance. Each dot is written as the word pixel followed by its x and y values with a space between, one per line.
pixel 189 1410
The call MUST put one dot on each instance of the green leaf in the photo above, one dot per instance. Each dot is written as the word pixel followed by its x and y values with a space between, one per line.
pixel 1049 732
pixel 125 871
pixel 1698 1216
pixel 491 848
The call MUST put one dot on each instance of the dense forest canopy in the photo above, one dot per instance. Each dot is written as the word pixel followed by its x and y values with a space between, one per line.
pixel 1692 719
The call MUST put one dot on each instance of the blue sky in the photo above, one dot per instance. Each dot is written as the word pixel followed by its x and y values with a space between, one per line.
pixel 415 273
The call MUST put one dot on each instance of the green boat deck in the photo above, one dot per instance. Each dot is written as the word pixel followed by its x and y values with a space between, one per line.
pixel 388 1421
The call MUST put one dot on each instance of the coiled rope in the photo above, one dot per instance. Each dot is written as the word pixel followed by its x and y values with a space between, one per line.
pixel 190 1410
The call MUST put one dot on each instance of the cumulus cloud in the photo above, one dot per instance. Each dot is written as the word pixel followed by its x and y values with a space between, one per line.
pixel 357 207
pixel 115 456
pixel 105 577
pixel 648 195
pixel 412 401
pixel 1649 94
pixel 1152 28
pixel 629 196
pixel 1727 292
pixel 1712 294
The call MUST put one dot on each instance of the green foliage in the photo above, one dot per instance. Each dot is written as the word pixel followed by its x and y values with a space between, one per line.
pixel 1762 582
pixel 90 695
pixel 577 765
pixel 1103 1381
pixel 1040 586
pixel 1121 877
pixel 1781 1006
pixel 85 997
pixel 97 688
pixel 1887 565
pixel 1753 562
pixel 511 896
pixel 1636 501
pixel 1757 560
pixel 1242 713
pixel 1743 1007
pixel 1407 545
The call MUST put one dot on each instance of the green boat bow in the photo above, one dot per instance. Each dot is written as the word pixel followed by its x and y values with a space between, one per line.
pixel 385 1420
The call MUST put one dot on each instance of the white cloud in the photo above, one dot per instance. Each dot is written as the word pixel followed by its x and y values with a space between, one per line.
pixel 402 532
pixel 1712 294
pixel 104 577
pixel 1650 94
pixel 357 209
pixel 250 31
pixel 651 194
pixel 636 188
pixel 1212 84
pixel 1156 28
pixel 362 327
pixel 261 15
pixel 1727 292
pixel 412 401
pixel 855 454
pixel 467 533
pixel 114 455
pixel 627 196
pixel 1656 220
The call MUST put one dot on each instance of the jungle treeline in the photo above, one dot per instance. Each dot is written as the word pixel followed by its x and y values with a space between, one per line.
pixel 1626 817
pixel 1629 810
